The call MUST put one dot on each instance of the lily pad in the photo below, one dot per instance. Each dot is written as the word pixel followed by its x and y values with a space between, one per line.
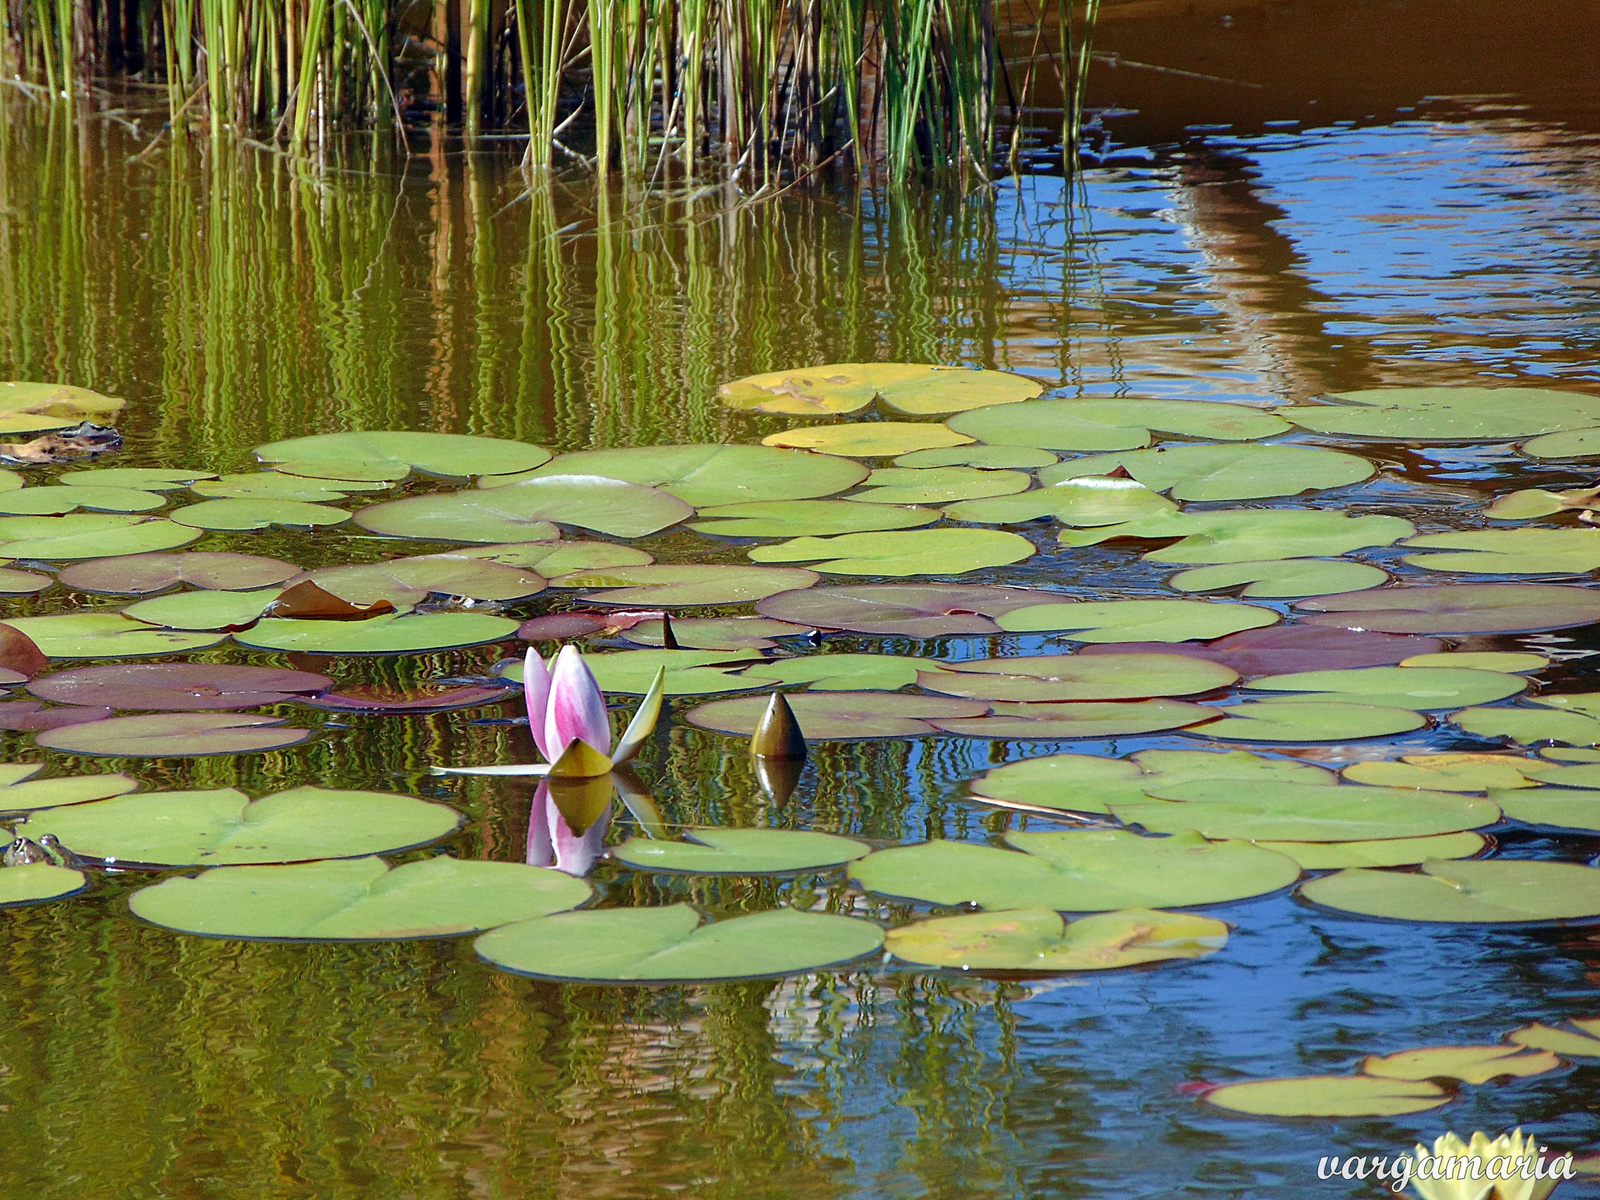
pixel 107 634
pixel 1583 1041
pixel 907 552
pixel 999 458
pixel 1251 534
pixel 376 699
pixel 1529 726
pixel 49 501
pixel 842 672
pixel 1328 1096
pixel 415 633
pixel 258 514
pixel 1137 620
pixel 1452 772
pixel 555 558
pixel 802 518
pixel 663 945
pixel 815 391
pixel 688 672
pixel 144 574
pixel 1448 414
pixel 1470 1064
pixel 1284 648
pixel 900 610
pixel 1510 551
pixel 1089 500
pixel 203 610
pixel 1530 503
pixel 174 735
pixel 402 580
pixel 675 584
pixel 33 882
pixel 1114 424
pixel 741 852
pixel 1047 677
pixel 1240 472
pixel 939 485
pixel 31 407
pixel 1078 719
pixel 711 633
pixel 144 479
pixel 1292 812
pixel 1468 890
pixel 1508 662
pixel 1284 579
pixel 1458 608
pixel 89 535
pixel 524 512
pixel 23 583
pixel 1380 852
pixel 18 791
pixel 358 899
pixel 1576 443
pixel 957 389
pixel 1422 689
pixel 708 474
pixel 868 439
pixel 30 714
pixel 274 485
pixel 839 716
pixel 172 687
pixel 1308 720
pixel 1078 871
pixel 1559 807
pixel 1037 939
pixel 224 827
pixel 393 455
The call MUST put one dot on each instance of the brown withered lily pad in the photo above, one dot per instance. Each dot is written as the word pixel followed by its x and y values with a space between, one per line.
pixel 306 601
pixel 900 609
pixel 30 714
pixel 178 687
pixel 20 658
pixel 1281 649
pixel 146 574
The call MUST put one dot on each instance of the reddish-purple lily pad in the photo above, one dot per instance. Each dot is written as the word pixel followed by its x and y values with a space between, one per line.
pixel 145 574
pixel 30 714
pixel 1284 649
pixel 363 699
pixel 174 735
pixel 1459 608
pixel 841 716
pixel 178 687
pixel 20 657
pixel 900 609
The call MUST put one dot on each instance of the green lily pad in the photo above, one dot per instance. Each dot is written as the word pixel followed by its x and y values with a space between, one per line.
pixel 1328 1096
pixel 1241 472
pixel 1458 608
pixel 413 579
pixel 357 899
pixel 174 735
pixel 839 716
pixel 1554 806
pixel 802 518
pixel 19 791
pixel 1291 812
pixel 524 512
pixel 393 455
pixel 258 514
pixel 842 672
pixel 33 882
pixel 900 609
pixel 23 583
pixel 1251 534
pixel 1285 579
pixel 414 633
pixel 1038 939
pixel 555 558
pixel 741 852
pixel 33 407
pixel 1309 720
pixel 143 574
pixel 1449 414
pixel 89 535
pixel 957 390
pixel 1530 503
pixel 939 485
pixel 1078 719
pixel 1089 500
pixel 1137 620
pixel 1467 890
pixel 664 945
pixel 906 552
pixel 998 458
pixel 1078 871
pixel 815 391
pixel 1086 783
pixel 274 485
pixel 1576 443
pixel 705 474
pixel 673 584
pixel 1055 677
pixel 1114 424
pixel 49 501
pixel 1511 551
pixel 1452 772
pixel 1582 1044
pixel 203 610
pixel 143 479
pixel 1380 852
pixel 1422 689
pixel 1470 1064
pixel 107 634
pixel 1583 775
pixel 713 633
pixel 868 439
pixel 224 827
pixel 688 672
pixel 1529 726
pixel 1507 662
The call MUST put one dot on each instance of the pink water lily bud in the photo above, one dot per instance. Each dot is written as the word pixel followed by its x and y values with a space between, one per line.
pixel 536 691
pixel 577 707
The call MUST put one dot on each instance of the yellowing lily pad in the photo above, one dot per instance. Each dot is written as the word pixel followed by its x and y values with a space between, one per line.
pixel 525 511
pixel 416 633
pixel 906 552
pixel 957 390
pixel 1119 424
pixel 802 518
pixel 1582 1041
pixel 1448 414
pixel 1452 772
pixel 32 407
pixel 1458 608
pixel 1038 939
pixel 663 945
pixel 359 899
pixel 830 716
pixel 1238 472
pixel 1469 890
pixel 1137 620
pixel 89 535
pixel 103 634
pixel 393 455
pixel 1380 852
pixel 741 852
pixel 868 439
pixel 1284 579
pixel 32 882
pixel 815 391
pixel 674 584
pixel 1300 719
pixel 1328 1096
pixel 1470 1064
pixel 1422 689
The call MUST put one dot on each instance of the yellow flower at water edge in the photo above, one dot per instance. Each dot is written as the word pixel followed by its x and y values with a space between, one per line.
pixel 1509 1167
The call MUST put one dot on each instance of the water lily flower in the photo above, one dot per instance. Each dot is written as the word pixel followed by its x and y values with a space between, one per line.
pixel 1509 1167
pixel 568 719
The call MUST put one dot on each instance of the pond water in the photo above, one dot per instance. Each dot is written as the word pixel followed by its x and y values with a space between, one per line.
pixel 1418 235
